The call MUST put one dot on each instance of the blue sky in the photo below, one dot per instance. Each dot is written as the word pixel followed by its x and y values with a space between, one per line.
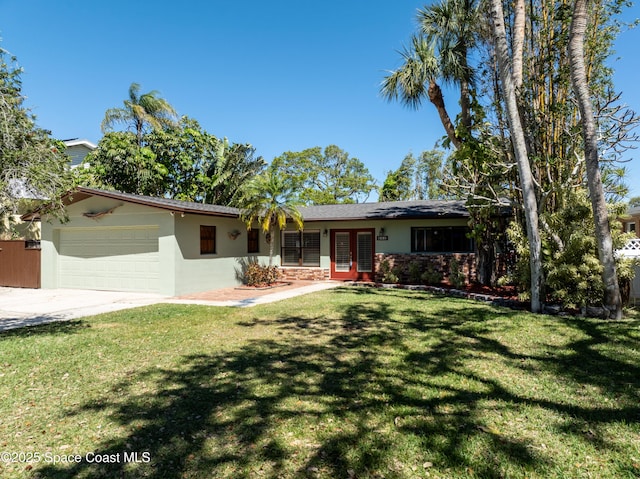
pixel 282 75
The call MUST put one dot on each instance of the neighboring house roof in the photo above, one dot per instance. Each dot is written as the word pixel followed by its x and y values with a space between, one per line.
pixel 19 189
pixel 389 210
pixel 634 211
pixel 76 142
pixel 78 149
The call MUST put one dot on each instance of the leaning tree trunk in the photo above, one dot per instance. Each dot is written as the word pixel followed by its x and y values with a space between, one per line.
pixel 520 150
pixel 435 97
pixel 594 180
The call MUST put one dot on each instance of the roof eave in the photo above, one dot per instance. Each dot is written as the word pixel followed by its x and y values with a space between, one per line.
pixel 408 217
pixel 142 201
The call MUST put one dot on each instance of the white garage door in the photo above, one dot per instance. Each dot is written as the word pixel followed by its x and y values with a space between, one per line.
pixel 114 259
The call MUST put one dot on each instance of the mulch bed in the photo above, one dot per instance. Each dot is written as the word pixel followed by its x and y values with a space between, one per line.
pixel 499 296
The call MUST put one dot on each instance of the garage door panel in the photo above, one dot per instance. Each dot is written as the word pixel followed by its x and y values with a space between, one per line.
pixel 118 259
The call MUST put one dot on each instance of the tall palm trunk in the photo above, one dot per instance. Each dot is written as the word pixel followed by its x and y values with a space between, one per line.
pixel 520 149
pixel 271 241
pixel 594 181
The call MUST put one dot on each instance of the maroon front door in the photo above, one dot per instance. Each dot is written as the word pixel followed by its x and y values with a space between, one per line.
pixel 352 254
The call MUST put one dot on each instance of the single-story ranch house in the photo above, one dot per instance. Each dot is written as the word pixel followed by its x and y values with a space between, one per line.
pixel 126 242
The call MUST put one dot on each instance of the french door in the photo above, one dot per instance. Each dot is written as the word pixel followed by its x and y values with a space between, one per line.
pixel 352 254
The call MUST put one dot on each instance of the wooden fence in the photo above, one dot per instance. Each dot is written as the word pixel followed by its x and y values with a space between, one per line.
pixel 20 264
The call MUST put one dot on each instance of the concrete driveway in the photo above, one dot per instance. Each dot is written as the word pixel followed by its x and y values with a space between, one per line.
pixel 26 307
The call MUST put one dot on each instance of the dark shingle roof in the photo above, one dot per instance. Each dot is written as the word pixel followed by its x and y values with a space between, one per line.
pixel 395 209
pixel 341 212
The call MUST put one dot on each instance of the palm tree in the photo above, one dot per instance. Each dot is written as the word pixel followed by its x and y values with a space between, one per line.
pixel 453 26
pixel 269 201
pixel 592 163
pixel 140 111
pixel 440 51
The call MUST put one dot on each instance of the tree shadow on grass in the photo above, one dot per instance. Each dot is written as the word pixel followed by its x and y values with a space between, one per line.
pixel 52 328
pixel 379 388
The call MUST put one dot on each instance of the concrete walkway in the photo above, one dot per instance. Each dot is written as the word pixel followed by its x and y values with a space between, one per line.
pixel 21 307
pixel 244 298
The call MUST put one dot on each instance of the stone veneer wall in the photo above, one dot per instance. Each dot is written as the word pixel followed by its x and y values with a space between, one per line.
pixel 440 262
pixel 304 274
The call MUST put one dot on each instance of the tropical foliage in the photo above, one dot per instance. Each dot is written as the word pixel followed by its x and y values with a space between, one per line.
pixel 183 162
pixel 533 121
pixel 141 113
pixel 269 200
pixel 570 256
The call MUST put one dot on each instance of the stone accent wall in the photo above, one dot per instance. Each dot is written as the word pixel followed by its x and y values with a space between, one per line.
pixel 304 274
pixel 440 262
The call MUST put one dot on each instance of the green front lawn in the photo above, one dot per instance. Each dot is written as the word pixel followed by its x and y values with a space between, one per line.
pixel 349 383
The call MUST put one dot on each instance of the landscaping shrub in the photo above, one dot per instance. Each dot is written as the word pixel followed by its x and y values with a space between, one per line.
pixel 571 265
pixel 415 272
pixel 257 274
pixel 389 274
pixel 456 276
pixel 431 275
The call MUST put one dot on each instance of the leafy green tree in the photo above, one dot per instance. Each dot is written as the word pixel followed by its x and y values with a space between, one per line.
pixel 120 164
pixel 32 164
pixel 416 178
pixel 141 112
pixel 397 185
pixel 184 162
pixel 326 176
pixel 202 167
pixel 429 176
pixel 185 153
pixel 269 200
pixel 634 202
